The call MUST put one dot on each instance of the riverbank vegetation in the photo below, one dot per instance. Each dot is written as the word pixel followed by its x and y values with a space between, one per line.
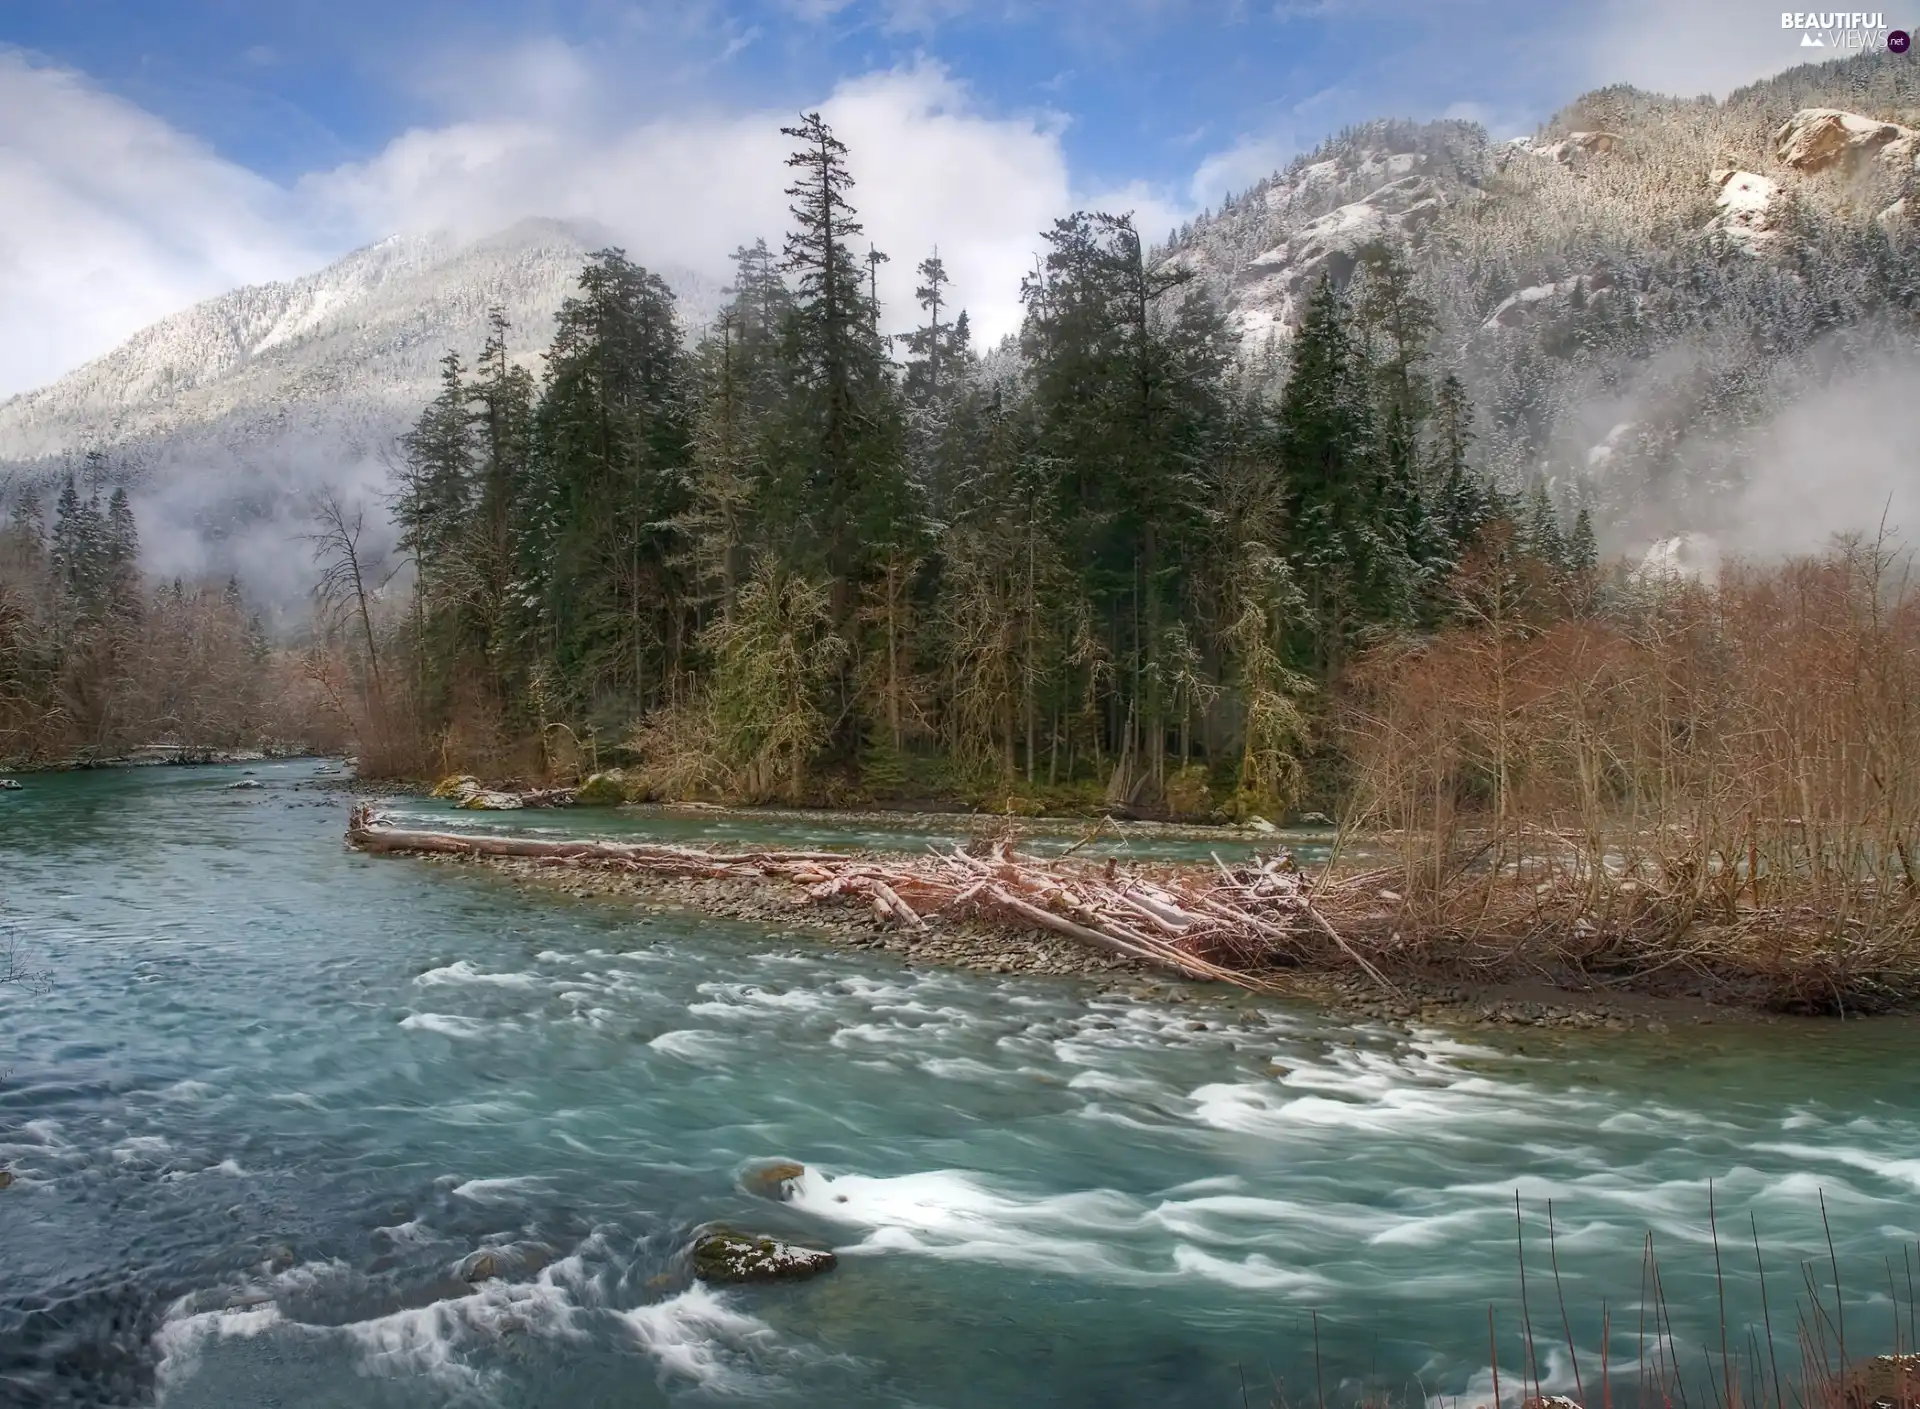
pixel 1720 781
pixel 1125 568
pixel 96 661
pixel 1118 563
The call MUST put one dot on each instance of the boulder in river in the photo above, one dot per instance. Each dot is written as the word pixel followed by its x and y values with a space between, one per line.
pixel 468 793
pixel 608 789
pixel 772 1179
pixel 487 800
pixel 507 1260
pixel 9 785
pixel 721 1254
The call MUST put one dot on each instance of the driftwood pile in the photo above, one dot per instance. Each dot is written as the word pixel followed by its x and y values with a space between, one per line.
pixel 1226 924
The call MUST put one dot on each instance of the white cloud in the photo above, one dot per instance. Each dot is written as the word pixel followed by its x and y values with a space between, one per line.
pixel 685 190
pixel 114 219
pixel 1705 46
pixel 1247 161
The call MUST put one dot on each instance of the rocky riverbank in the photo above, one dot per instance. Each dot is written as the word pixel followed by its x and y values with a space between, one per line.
pixel 992 948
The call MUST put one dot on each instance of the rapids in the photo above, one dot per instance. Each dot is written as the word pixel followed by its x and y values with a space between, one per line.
pixel 270 1093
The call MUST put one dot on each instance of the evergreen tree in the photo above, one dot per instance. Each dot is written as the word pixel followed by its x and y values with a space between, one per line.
pixel 1347 534
pixel 1583 550
pixel 613 435
pixel 1543 537
pixel 500 402
pixel 437 480
pixel 121 546
pixel 841 465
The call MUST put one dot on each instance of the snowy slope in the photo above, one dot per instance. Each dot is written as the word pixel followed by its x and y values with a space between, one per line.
pixel 225 416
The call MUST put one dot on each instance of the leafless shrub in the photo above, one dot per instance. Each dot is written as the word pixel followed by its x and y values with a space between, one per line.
pixel 1723 782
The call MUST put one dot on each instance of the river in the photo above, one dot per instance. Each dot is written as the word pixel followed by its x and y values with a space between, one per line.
pixel 269 1093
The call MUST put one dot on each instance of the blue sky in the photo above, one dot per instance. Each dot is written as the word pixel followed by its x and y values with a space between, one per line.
pixel 157 151
pixel 1147 89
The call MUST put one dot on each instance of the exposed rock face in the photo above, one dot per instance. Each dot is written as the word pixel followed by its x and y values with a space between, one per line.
pixel 1748 205
pixel 1273 287
pixel 724 1255
pixel 1572 147
pixel 1600 455
pixel 1543 300
pixel 1819 139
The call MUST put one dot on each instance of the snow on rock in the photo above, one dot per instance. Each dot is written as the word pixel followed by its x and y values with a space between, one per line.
pixel 1683 556
pixel 1570 148
pixel 1601 455
pixel 1324 179
pixel 1516 309
pixel 360 340
pixel 1274 285
pixel 1747 208
pixel 1818 139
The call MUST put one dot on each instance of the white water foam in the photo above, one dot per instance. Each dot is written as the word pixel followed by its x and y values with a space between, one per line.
pixel 429 1339
pixel 178 1341
pixel 426 1341
pixel 1887 1167
pixel 1253 1273
pixel 692 1044
pixel 699 1336
pixel 460 971
pixel 501 1190
pixel 445 1024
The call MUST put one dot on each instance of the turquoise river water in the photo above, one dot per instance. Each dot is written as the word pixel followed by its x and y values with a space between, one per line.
pixel 268 1094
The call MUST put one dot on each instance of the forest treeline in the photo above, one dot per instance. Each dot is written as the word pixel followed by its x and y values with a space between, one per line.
pixel 802 560
pixel 95 661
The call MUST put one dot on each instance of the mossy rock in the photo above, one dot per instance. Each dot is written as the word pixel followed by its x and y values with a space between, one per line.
pixel 608 789
pixel 722 1254
pixel 458 786
pixel 773 1179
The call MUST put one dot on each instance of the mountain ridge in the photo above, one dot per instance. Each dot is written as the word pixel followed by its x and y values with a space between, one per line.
pixel 1623 292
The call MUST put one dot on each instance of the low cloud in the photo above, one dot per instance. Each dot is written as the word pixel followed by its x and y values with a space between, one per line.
pixel 1843 458
pixel 685 190
pixel 113 220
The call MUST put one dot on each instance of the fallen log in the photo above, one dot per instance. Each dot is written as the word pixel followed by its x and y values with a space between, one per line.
pixel 1182 923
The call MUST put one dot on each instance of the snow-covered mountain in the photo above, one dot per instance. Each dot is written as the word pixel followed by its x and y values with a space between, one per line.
pixel 1638 293
pixel 1631 293
pixel 225 415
